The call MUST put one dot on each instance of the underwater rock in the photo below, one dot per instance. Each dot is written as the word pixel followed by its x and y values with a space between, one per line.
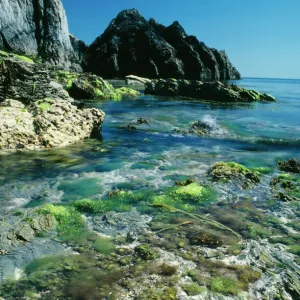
pixel 113 223
pixel 146 252
pixel 11 265
pixel 19 228
pixel 214 91
pixel 231 170
pixel 47 123
pixel 133 45
pixel 286 187
pixel 291 165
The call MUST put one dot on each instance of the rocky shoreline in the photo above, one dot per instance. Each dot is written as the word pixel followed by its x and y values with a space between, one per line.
pixel 178 252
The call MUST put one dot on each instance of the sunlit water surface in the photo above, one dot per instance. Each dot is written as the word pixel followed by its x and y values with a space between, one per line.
pixel 153 155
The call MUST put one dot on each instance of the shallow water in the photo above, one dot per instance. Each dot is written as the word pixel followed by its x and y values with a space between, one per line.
pixel 146 160
pixel 153 155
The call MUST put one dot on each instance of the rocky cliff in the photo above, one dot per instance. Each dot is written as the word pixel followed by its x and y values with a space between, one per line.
pixel 133 45
pixel 39 28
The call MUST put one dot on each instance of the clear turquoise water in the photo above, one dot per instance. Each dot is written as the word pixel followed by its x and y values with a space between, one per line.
pixel 152 156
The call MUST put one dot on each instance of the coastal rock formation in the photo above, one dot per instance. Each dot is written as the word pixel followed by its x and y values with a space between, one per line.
pixel 39 28
pixel 41 114
pixel 22 79
pixel 215 91
pixel 45 124
pixel 133 45
pixel 89 86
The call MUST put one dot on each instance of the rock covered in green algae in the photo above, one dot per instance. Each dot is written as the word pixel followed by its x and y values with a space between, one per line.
pixel 89 86
pixel 23 80
pixel 215 91
pixel 286 187
pixel 45 124
pixel 291 165
pixel 231 170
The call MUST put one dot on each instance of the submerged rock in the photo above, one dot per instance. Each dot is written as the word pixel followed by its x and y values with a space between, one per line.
pixel 286 187
pixel 215 91
pixel 21 227
pixel 133 45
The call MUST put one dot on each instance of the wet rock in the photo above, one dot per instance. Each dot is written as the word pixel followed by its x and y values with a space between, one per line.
pixel 214 91
pixel 145 251
pixel 133 45
pixel 286 187
pixel 142 121
pixel 11 265
pixel 128 223
pixel 231 170
pixel 89 86
pixel 18 229
pixel 291 165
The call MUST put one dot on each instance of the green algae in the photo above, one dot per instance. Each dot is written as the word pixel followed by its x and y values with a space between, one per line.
pixel 90 206
pixel 225 286
pixel 103 245
pixel 3 53
pixel 193 289
pixel 231 170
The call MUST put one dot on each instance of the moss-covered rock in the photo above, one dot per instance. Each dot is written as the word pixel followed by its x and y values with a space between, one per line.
pixel 215 91
pixel 286 187
pixel 89 86
pixel 223 171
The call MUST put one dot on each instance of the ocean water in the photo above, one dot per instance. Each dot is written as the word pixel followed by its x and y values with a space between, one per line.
pixel 154 155
pixel 86 260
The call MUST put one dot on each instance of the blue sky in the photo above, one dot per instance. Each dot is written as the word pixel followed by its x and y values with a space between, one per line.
pixel 261 37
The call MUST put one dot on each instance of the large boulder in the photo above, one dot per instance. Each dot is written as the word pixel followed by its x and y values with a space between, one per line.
pixel 39 28
pixel 41 114
pixel 45 124
pixel 133 45
pixel 215 91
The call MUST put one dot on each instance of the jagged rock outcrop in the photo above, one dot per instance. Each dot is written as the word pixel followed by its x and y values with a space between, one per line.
pixel 133 45
pixel 214 91
pixel 41 114
pixel 39 28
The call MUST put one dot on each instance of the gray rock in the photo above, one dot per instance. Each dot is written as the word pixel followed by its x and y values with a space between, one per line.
pixel 11 265
pixel 39 28
pixel 128 223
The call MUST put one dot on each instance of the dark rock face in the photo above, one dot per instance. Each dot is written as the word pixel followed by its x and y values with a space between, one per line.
pixel 39 28
pixel 215 91
pixel 133 45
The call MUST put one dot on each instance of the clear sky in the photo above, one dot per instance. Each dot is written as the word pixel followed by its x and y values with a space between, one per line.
pixel 261 37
